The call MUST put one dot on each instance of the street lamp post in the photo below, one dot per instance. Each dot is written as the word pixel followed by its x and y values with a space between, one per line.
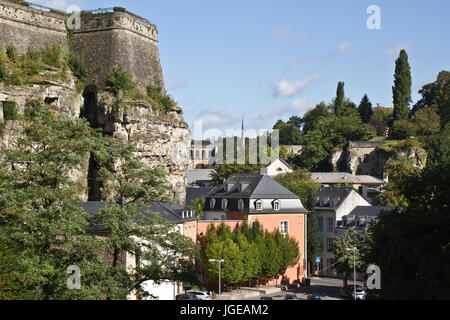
pixel 220 262
pixel 354 267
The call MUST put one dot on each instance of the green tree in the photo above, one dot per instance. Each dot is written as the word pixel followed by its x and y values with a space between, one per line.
pixel 402 87
pixel 41 226
pixel 272 257
pixel 398 172
pixel 411 245
pixel 251 256
pixel 289 251
pixel 344 260
pixel 322 110
pixel 198 205
pixel 385 115
pixel 339 100
pixel 436 94
pixel 288 133
pixel 365 109
pixel 133 229
pixel 232 271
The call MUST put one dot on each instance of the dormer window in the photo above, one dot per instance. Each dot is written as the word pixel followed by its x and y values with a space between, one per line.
pixel 241 205
pixel 321 202
pixel 332 203
pixel 224 204
pixel 276 205
pixel 212 203
pixel 259 205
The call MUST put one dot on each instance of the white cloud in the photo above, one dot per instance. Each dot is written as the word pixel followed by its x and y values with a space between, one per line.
pixel 286 88
pixel 174 84
pixel 344 47
pixel 395 51
pixel 283 33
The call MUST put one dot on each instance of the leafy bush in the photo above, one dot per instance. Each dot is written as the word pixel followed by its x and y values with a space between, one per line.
pixel 10 110
pixel 119 80
pixel 11 52
pixel 119 9
pixel 403 129
pixel 54 56
pixel 79 70
pixel 32 107
pixel 161 99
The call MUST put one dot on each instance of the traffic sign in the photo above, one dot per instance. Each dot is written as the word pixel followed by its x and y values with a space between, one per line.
pixel 318 260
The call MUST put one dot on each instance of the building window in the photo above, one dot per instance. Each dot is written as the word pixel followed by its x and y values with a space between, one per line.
pixel 357 223
pixel 330 224
pixel 259 205
pixel 320 221
pixel 224 204
pixel 332 203
pixel 197 154
pixel 212 203
pixel 284 227
pixel 330 244
pixel 192 155
pixel 321 202
pixel 241 205
pixel 203 155
pixel 276 205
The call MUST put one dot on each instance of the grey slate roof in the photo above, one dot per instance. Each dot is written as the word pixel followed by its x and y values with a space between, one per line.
pixel 256 186
pixel 196 193
pixel 170 212
pixel 338 195
pixel 371 211
pixel 344 177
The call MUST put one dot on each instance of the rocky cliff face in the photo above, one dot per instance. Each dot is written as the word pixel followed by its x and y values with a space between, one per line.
pixel 161 137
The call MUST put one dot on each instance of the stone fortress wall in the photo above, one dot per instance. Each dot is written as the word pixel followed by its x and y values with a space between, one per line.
pixel 28 28
pixel 104 39
pixel 119 38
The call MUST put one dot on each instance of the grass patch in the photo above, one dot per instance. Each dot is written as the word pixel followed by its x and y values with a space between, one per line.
pixel 34 67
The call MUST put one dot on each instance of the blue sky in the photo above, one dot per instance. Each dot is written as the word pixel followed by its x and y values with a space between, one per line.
pixel 269 60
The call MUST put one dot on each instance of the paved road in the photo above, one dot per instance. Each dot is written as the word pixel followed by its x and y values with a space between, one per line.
pixel 327 288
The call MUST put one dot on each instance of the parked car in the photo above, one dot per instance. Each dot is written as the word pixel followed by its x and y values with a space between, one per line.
pixel 201 295
pixel 360 293
pixel 291 297
pixel 186 297
pixel 266 298
pixel 314 296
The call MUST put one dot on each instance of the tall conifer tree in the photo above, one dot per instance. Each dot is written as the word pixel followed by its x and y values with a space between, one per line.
pixel 402 87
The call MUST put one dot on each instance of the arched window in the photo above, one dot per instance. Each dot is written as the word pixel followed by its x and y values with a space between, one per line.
pixel 224 204
pixel 212 203
pixel 276 205
pixel 241 205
